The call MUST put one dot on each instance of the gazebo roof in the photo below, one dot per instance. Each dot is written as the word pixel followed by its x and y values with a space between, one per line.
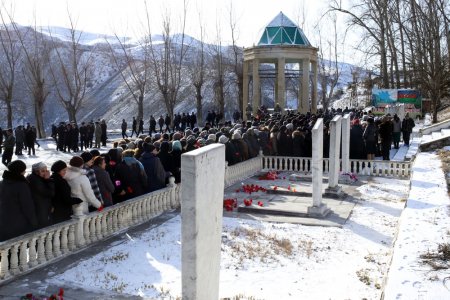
pixel 282 31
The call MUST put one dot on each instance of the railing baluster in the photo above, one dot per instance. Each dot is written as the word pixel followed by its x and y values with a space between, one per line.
pixel 49 246
pixel 41 250
pixel 32 253
pixel 23 261
pixel 57 243
pixel 4 264
pixel 64 240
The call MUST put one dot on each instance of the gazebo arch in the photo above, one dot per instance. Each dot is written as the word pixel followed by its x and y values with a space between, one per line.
pixel 281 43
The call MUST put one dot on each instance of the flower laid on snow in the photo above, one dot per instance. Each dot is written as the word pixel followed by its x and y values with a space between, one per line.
pixel 275 188
pixel 260 203
pixel 271 175
pixel 251 188
pixel 289 188
pixel 58 296
pixel 248 202
pixel 229 204
pixel 351 176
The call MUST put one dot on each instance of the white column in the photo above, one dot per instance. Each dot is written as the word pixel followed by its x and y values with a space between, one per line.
pixel 244 88
pixel 202 186
pixel 256 102
pixel 335 147
pixel 318 208
pixel 314 88
pixel 281 83
pixel 346 143
pixel 304 108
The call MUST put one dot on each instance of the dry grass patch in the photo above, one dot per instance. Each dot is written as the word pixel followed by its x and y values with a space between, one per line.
pixel 438 259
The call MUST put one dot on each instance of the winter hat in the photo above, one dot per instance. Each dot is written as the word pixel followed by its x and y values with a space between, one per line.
pixel 157 145
pixel 236 136
pixel 176 136
pixel 58 166
pixel 148 147
pixel 190 139
pixel 223 139
pixel 212 137
pixel 94 152
pixel 86 156
pixel 131 145
pixel 157 136
pixel 289 126
pixel 17 167
pixel 77 161
pixel 38 166
pixel 176 145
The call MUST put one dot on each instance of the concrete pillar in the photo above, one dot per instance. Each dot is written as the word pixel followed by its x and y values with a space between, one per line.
pixel 335 145
pixel 314 88
pixel 318 208
pixel 256 103
pixel 304 107
pixel 346 143
pixel 281 83
pixel 244 88
pixel 202 186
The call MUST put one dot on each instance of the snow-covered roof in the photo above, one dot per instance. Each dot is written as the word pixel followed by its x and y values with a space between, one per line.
pixel 282 31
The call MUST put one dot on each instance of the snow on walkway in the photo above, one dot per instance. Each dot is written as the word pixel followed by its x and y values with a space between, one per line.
pixel 424 224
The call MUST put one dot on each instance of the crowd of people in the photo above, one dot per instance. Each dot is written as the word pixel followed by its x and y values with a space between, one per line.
pixel 94 180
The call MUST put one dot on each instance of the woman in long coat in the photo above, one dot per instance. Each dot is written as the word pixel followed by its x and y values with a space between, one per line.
pixel 17 213
pixel 62 201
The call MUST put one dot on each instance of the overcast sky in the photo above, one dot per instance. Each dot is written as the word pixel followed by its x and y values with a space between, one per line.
pixel 125 17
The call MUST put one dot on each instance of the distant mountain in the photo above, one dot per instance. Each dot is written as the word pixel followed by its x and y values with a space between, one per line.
pixel 108 96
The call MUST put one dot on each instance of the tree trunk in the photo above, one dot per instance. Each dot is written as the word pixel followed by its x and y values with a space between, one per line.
pixel 199 97
pixel 9 114
pixel 38 112
pixel 141 108
pixel 72 114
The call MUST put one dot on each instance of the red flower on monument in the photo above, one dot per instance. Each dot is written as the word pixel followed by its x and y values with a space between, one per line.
pixel 248 202
pixel 289 188
pixel 271 175
pixel 260 203
pixel 229 204
pixel 275 188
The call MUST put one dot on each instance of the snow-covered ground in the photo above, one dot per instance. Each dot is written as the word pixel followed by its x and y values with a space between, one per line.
pixel 287 261
pixel 261 259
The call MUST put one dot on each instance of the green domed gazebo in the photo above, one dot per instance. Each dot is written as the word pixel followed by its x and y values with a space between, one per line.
pixel 281 42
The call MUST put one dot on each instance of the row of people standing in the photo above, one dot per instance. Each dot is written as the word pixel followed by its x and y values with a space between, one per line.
pixel 23 138
pixel 71 137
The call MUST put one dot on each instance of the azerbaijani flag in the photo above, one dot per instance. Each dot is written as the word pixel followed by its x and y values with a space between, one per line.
pixel 408 96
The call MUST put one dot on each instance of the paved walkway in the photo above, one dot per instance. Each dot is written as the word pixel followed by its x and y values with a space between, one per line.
pixel 39 282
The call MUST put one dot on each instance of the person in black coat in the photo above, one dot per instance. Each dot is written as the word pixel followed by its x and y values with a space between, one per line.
pixel 131 176
pixel 166 157
pixel 17 213
pixel 357 146
pixel 42 191
pixel 62 201
pixel 156 175
pixel 284 142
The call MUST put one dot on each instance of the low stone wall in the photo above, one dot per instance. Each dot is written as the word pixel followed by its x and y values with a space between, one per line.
pixel 39 248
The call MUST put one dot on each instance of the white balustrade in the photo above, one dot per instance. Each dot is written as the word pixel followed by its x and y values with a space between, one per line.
pixel 22 254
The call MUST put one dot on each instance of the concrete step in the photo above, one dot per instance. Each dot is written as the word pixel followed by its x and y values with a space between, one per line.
pixel 445 132
pixel 426 138
pixel 436 135
pixel 413 149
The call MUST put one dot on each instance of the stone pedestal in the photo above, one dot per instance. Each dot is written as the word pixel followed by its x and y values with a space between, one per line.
pixel 335 147
pixel 318 211
pixel 202 188
pixel 346 143
pixel 318 208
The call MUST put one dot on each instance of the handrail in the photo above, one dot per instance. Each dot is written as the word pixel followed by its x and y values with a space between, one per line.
pixel 38 248
pixel 435 127
pixel 357 166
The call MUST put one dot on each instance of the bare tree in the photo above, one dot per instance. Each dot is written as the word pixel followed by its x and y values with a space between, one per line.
pixel 71 69
pixel 370 15
pixel 237 58
pixel 134 68
pixel 329 70
pixel 198 72
pixel 36 51
pixel 218 65
pixel 167 62
pixel 10 53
